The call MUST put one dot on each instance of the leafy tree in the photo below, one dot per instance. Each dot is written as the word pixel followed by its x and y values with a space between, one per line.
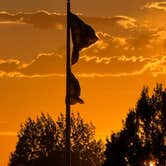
pixel 40 139
pixel 143 136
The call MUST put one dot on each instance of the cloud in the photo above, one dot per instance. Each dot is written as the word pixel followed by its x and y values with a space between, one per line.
pixel 140 52
pixel 158 38
pixel 39 19
pixel 9 65
pixel 155 67
pixel 110 55
pixel 117 67
pixel 156 5
pixel 114 66
pixel 125 21
pixel 143 42
pixel 52 65
pixel 45 63
pixel 45 19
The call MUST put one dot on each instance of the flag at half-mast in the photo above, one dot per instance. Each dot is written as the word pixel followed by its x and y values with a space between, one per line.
pixel 75 90
pixel 83 36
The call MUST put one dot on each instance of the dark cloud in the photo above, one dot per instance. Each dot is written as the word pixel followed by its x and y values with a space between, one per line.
pixel 133 49
pixel 44 19
pixel 9 65
pixel 39 19
pixel 93 7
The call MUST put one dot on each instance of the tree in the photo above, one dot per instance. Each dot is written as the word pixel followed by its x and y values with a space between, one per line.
pixel 143 136
pixel 42 142
pixel 36 139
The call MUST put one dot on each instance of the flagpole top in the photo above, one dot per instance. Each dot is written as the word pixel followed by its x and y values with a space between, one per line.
pixel 68 2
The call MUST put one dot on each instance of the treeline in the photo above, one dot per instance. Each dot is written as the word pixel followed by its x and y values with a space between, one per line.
pixel 141 141
pixel 41 142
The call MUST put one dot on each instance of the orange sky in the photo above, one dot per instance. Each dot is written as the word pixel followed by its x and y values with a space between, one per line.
pixel 130 53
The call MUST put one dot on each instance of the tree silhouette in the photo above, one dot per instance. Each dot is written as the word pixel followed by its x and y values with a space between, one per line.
pixel 42 142
pixel 143 136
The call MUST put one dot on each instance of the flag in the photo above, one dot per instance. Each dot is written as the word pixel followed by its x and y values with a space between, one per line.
pixel 75 90
pixel 82 36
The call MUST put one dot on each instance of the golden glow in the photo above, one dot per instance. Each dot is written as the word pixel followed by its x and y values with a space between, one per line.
pixel 152 163
pixel 131 53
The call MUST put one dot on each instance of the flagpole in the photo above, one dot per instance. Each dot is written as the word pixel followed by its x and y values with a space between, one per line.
pixel 68 71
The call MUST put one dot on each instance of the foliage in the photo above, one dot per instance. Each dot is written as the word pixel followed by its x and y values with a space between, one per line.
pixel 39 140
pixel 143 136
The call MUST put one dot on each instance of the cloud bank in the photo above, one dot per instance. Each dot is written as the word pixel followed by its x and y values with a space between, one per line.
pixel 129 49
pixel 39 19
pixel 44 19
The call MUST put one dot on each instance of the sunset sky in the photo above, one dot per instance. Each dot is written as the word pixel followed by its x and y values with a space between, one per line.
pixel 130 53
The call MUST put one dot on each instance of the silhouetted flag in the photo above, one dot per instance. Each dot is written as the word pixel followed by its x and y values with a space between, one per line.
pixel 75 91
pixel 82 35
